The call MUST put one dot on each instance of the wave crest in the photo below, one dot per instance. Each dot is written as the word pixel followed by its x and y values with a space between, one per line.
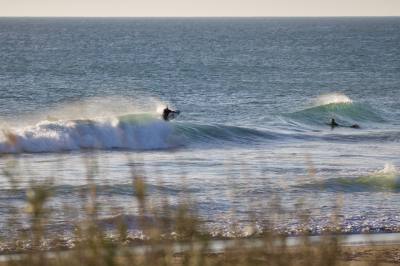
pixel 330 98
pixel 337 106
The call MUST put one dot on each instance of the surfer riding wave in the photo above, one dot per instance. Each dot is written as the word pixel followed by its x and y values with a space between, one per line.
pixel 168 114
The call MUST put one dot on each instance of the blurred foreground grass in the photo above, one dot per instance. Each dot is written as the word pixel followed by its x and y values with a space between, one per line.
pixel 172 235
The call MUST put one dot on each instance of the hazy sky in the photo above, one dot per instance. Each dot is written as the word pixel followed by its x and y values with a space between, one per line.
pixel 199 8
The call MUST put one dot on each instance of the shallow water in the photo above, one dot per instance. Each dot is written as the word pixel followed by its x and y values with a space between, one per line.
pixel 255 95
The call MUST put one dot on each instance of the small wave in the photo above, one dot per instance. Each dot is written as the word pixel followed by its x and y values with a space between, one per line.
pixel 386 179
pixel 363 136
pixel 68 191
pixel 337 106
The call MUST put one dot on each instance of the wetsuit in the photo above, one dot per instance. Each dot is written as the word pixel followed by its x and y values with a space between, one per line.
pixel 165 114
pixel 333 123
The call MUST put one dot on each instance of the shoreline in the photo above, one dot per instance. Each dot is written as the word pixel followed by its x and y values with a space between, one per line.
pixel 219 246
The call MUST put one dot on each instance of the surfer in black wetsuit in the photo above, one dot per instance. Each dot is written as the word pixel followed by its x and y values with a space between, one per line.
pixel 333 124
pixel 168 114
pixel 165 113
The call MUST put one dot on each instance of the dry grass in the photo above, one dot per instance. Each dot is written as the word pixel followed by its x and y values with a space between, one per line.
pixel 175 236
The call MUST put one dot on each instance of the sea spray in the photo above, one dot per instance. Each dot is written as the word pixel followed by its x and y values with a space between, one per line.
pixel 335 97
pixel 88 108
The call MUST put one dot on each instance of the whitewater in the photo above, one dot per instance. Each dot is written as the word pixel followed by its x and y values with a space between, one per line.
pixel 83 98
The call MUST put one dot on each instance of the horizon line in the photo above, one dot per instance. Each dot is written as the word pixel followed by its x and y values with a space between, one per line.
pixel 300 16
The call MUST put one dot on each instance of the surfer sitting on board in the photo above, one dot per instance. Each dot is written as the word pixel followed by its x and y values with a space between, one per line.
pixel 333 124
pixel 169 114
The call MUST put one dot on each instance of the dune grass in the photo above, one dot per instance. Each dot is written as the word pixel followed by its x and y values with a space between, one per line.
pixel 172 235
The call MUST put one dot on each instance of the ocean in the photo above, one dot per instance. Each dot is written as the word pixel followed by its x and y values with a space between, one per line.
pixel 81 101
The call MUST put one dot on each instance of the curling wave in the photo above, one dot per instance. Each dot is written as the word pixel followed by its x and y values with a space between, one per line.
pixel 337 106
pixel 132 132
pixel 141 133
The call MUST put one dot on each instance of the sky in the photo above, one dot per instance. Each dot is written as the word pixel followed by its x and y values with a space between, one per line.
pixel 198 8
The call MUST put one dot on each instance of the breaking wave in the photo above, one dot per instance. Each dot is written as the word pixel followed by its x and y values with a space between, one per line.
pixel 54 136
pixel 131 132
pixel 146 131
pixel 337 106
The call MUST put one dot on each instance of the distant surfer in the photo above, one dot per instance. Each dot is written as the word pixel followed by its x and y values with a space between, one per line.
pixel 169 114
pixel 333 124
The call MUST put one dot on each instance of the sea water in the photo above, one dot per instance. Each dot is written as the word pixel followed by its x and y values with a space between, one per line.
pixel 256 98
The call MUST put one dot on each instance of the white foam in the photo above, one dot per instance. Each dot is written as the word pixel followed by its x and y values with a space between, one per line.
pixel 389 175
pixel 55 136
pixel 388 169
pixel 330 98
